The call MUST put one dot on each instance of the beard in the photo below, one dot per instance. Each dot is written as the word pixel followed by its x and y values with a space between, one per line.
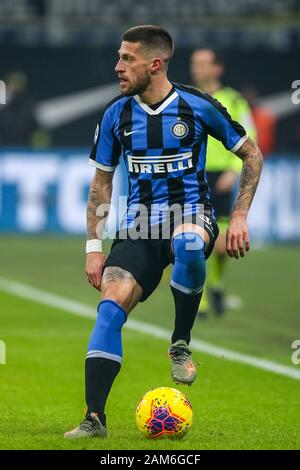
pixel 139 87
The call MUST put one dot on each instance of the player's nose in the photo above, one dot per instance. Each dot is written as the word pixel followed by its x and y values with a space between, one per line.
pixel 120 66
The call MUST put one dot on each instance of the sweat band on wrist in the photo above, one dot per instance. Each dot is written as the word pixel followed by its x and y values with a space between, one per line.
pixel 93 246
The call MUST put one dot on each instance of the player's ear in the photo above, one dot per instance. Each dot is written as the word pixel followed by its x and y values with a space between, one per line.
pixel 156 65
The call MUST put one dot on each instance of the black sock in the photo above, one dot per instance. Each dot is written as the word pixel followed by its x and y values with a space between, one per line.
pixel 100 374
pixel 186 308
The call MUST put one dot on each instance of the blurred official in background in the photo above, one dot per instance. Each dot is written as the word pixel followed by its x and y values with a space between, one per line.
pixel 18 123
pixel 222 167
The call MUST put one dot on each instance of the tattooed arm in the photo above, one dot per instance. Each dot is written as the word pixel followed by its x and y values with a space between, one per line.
pixel 97 213
pixel 237 237
pixel 98 203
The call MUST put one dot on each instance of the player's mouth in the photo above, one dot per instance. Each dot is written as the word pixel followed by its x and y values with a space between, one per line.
pixel 123 81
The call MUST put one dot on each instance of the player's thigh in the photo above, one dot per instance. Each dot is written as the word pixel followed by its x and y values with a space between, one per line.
pixel 142 259
pixel 119 285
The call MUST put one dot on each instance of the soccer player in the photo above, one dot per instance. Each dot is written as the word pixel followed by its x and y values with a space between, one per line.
pixel 222 167
pixel 161 130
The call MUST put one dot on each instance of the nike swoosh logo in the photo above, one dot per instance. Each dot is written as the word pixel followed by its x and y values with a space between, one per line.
pixel 129 133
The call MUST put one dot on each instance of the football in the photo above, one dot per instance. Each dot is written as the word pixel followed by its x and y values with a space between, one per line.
pixel 164 412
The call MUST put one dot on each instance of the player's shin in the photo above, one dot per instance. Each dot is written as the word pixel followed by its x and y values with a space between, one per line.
pixel 104 356
pixel 187 282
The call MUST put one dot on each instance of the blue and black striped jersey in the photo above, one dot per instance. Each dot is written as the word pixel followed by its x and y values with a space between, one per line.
pixel 164 146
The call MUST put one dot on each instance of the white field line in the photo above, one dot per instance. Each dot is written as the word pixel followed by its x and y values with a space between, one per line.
pixel 76 308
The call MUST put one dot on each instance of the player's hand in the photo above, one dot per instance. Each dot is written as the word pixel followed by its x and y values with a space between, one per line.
pixel 94 268
pixel 226 181
pixel 237 236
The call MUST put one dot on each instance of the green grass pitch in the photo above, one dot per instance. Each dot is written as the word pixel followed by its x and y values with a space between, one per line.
pixel 235 406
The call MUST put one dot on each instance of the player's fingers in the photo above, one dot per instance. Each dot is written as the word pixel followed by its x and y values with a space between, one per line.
pixel 240 243
pixel 229 244
pixel 87 275
pixel 98 280
pixel 92 278
pixel 95 279
pixel 97 275
pixel 247 241
pixel 234 244
pixel 229 252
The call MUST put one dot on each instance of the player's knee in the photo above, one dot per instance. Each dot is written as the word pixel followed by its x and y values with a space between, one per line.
pixel 120 287
pixel 188 248
pixel 189 270
pixel 120 295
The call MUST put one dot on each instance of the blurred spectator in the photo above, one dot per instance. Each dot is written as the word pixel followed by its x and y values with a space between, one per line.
pixel 18 126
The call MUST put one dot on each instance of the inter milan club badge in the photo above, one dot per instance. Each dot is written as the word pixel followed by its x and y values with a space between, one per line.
pixel 180 129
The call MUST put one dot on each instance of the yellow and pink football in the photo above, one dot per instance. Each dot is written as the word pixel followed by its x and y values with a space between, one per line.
pixel 164 412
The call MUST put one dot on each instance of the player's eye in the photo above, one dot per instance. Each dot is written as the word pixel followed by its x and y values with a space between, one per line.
pixel 127 58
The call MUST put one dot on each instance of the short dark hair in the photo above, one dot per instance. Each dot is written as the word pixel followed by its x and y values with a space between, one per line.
pixel 151 36
pixel 217 53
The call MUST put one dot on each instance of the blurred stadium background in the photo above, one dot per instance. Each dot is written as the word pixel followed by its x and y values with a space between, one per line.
pixel 57 64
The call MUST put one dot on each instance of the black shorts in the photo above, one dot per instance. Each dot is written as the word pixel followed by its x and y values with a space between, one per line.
pixel 222 202
pixel 146 259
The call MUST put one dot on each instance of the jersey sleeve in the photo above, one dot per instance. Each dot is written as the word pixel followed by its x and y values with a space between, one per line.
pixel 106 150
pixel 246 119
pixel 221 126
pixel 242 114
